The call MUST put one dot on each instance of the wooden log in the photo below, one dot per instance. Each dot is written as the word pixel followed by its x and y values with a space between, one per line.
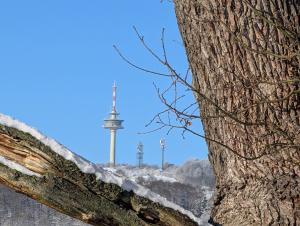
pixel 60 184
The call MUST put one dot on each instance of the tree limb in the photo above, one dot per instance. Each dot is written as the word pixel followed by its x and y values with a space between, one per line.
pixel 58 183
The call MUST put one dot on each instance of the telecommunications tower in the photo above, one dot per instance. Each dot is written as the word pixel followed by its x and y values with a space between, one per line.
pixel 113 124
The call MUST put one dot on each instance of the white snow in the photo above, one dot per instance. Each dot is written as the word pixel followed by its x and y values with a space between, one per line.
pixel 208 192
pixel 87 167
pixel 18 167
pixel 163 178
pixel 148 174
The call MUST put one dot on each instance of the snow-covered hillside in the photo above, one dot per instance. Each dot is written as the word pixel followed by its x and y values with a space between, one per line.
pixel 190 186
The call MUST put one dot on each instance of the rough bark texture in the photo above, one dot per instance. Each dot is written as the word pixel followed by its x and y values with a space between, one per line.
pixel 240 51
pixel 65 188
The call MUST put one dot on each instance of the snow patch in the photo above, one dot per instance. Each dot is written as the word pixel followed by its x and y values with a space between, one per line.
pixel 88 167
pixel 147 174
pixel 163 178
pixel 18 167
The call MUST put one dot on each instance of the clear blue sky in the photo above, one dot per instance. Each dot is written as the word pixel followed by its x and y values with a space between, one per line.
pixel 57 67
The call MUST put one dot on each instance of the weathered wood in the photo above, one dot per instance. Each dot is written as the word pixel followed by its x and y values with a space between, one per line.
pixel 244 56
pixel 62 186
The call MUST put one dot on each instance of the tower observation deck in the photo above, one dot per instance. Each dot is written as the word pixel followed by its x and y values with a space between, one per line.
pixel 113 124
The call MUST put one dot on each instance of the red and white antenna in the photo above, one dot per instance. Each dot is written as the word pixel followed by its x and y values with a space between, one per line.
pixel 114 97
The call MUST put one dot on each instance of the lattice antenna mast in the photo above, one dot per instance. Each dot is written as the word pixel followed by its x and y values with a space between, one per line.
pixel 140 154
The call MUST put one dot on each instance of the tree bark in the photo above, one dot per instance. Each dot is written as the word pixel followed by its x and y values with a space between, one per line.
pixel 244 57
pixel 60 184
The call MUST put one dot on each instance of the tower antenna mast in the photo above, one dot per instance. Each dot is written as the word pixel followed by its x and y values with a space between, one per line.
pixel 162 147
pixel 140 154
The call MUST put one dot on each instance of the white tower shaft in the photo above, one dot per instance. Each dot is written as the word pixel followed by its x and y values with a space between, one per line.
pixel 112 159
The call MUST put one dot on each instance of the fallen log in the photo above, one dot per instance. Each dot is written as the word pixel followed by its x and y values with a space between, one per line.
pixel 44 170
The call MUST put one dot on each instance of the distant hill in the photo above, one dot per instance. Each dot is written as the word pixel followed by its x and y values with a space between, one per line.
pixel 190 186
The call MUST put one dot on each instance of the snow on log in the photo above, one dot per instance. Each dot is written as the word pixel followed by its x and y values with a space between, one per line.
pixel 46 171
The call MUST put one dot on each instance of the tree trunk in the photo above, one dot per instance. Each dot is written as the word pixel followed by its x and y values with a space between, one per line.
pixel 244 56
pixel 35 170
